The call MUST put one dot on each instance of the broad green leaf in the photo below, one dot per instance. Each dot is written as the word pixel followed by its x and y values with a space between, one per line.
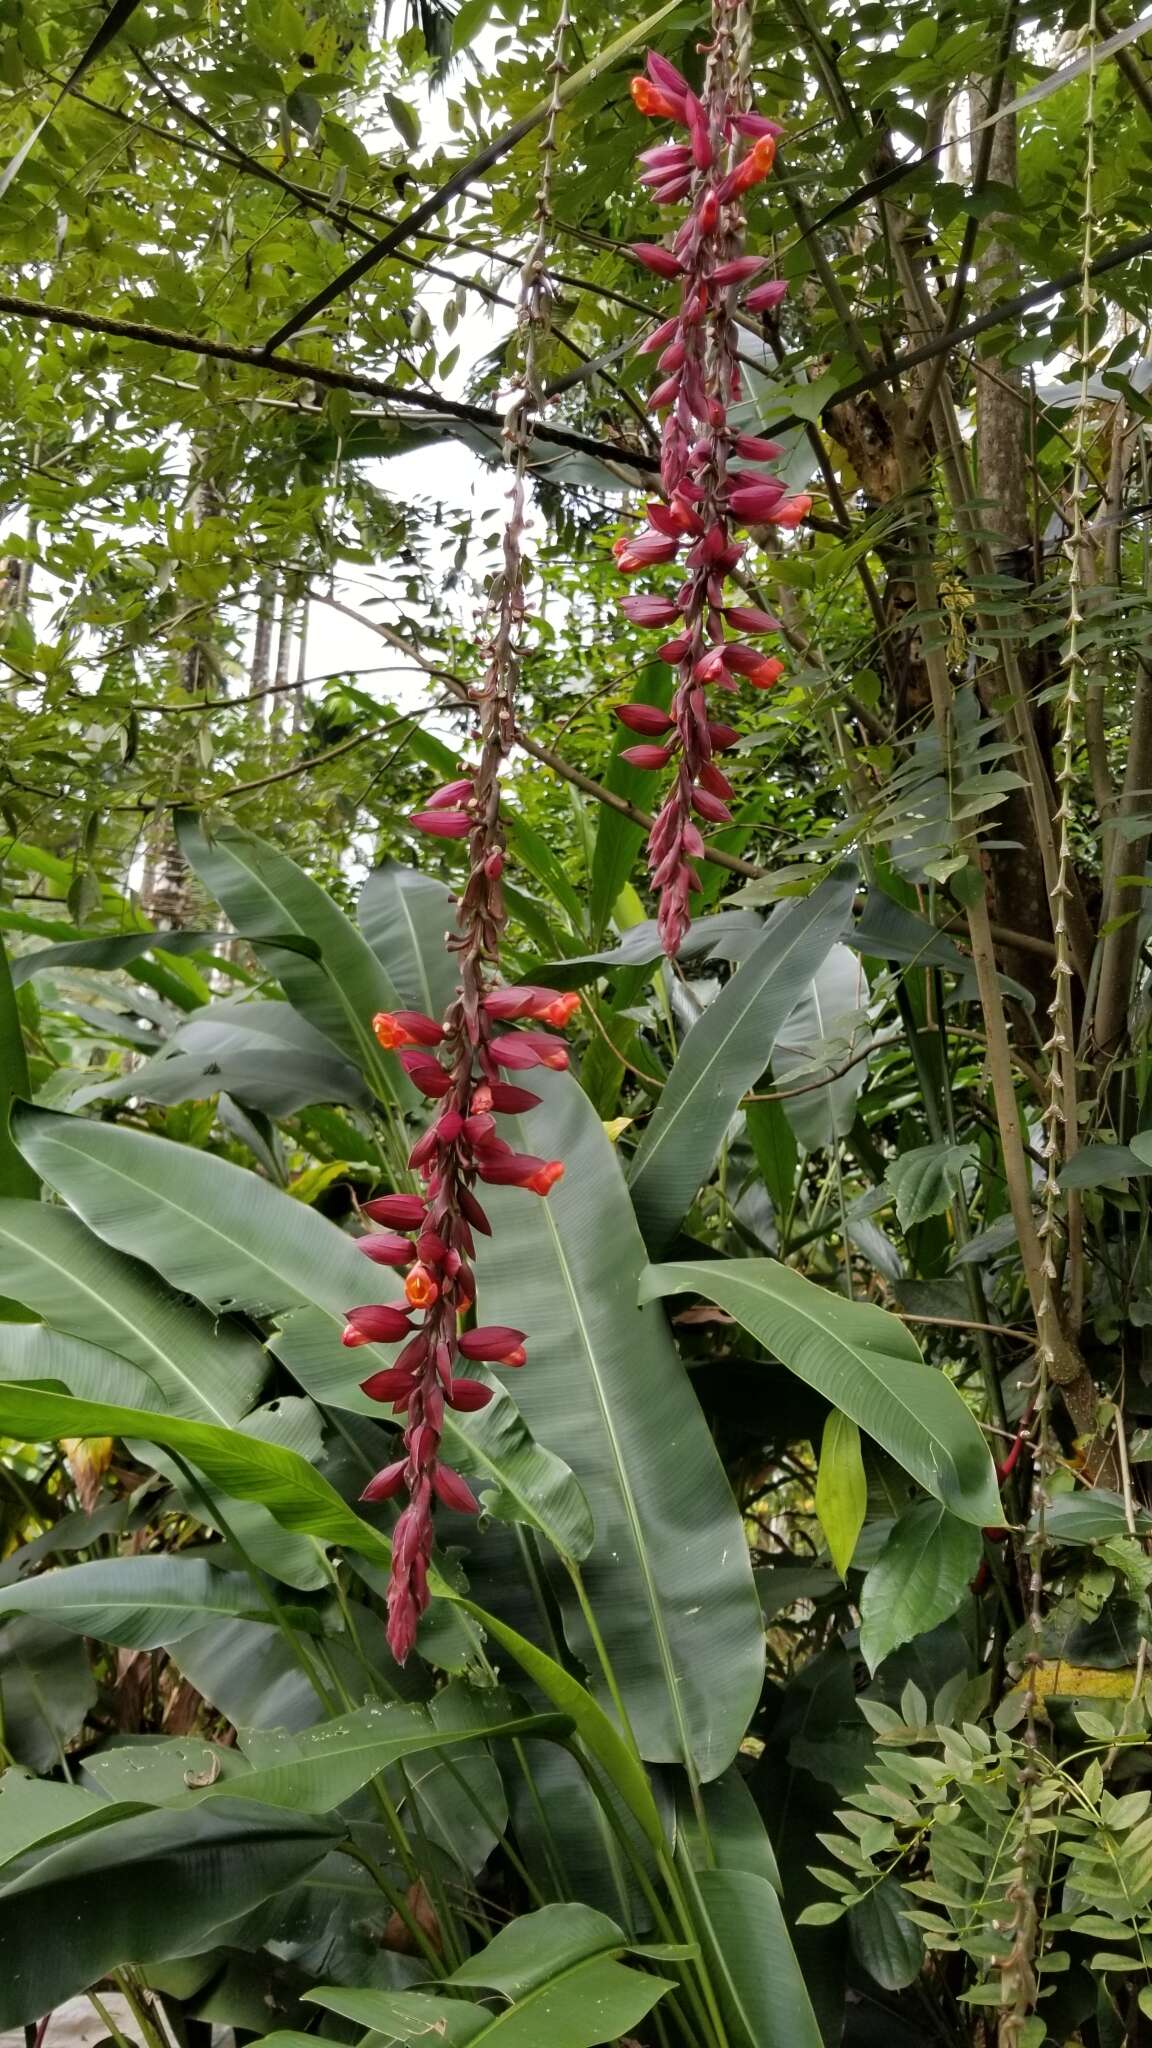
pixel 405 917
pixel 35 1813
pixel 841 1488
pixel 725 1053
pixel 223 1234
pixel 737 1837
pixel 827 1029
pixel 175 1878
pixel 113 950
pixel 918 1580
pixel 557 1971
pixel 314 1771
pixel 203 1367
pixel 266 895
pixel 862 1360
pixel 926 1179
pixel 1090 1515
pixel 266 1055
pixel 292 1490
pixel 669 1576
pixel 31 1351
pixel 761 1989
pixel 47 1690
pixel 144 1602
pixel 773 1142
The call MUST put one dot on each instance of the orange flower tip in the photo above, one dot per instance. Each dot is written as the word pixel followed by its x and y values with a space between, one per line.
pixel 350 1338
pixel 542 1182
pixel 559 1012
pixel 420 1288
pixel 517 1356
pixel 389 1032
pixel 648 99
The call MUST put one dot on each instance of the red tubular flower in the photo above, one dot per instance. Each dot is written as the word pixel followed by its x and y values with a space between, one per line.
pixel 650 100
pixel 451 795
pixel 551 1005
pixel 520 1170
pixel 421 1288
pixel 705 495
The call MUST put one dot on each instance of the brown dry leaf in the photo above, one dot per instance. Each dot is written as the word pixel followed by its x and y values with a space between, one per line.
pixel 396 1935
pixel 88 1458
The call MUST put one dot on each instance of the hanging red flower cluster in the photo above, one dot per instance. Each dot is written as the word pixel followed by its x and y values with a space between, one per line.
pixel 704 496
pixel 432 1236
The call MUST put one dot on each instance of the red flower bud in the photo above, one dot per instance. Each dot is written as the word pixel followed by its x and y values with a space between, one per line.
pixel 389 1385
pixel 443 824
pixel 656 258
pixel 385 1248
pixel 710 807
pixel 650 611
pixel 647 757
pixel 426 1073
pixel 494 865
pixel 722 737
pixel 644 718
pixel 512 1101
pixel 378 1323
pixel 493 1344
pixel 765 299
pixel 406 1212
pixel 748 618
pixel 737 270
pixel 468 1395
pixel 454 1491
pixel 386 1483
pixel 450 795
pixel 519 1049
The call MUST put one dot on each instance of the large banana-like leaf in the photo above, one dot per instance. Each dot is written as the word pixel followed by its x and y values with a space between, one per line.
pixel 669 1577
pixel 204 1367
pixel 405 917
pixel 864 1361
pixel 557 1971
pixel 218 1232
pixel 266 1055
pixel 761 1990
pixel 154 1886
pixel 31 1351
pixel 267 896
pixel 826 1031
pixel 724 1053
pixel 145 1602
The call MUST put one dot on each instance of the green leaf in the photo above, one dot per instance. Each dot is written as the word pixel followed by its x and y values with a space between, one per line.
pixel 773 1142
pixel 16 1176
pixel 113 950
pixel 266 1055
pixel 761 1989
pixel 177 1877
pixel 31 1351
pixel 144 1603
pixel 47 1690
pixel 557 1971
pixel 918 1580
pixel 841 1489
pixel 223 1234
pixel 266 895
pixel 406 917
pixel 200 1366
pixel 618 840
pixel 672 1611
pixel 862 1360
pixel 725 1052
pixel 36 1814
pixel 883 1939
pixel 926 1180
pixel 827 1029
pixel 406 121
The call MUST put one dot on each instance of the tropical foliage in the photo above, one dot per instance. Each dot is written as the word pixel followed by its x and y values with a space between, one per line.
pixel 761 1662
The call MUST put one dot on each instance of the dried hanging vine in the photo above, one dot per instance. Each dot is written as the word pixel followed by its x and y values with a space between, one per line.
pixel 703 498
pixel 462 1059
pixel 1059 1117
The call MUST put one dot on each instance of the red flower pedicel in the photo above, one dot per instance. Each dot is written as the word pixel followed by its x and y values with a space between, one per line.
pixel 705 497
pixel 460 1063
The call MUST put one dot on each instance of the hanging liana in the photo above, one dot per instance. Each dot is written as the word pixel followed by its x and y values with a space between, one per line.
pixel 461 1061
pixel 703 498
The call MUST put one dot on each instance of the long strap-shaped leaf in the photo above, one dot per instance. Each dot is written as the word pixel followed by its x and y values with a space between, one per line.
pixel 725 1053
pixel 862 1360
pixel 668 1577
